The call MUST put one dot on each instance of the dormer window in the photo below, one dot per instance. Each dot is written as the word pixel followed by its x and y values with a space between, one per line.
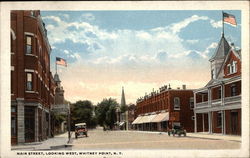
pixel 232 68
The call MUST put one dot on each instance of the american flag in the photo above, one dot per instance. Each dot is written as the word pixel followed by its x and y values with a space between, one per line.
pixel 229 19
pixel 61 61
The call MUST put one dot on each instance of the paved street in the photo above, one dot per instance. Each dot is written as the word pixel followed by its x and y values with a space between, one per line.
pixel 99 139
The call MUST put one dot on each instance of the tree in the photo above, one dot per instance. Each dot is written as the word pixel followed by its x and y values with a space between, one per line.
pixel 82 111
pixel 106 112
pixel 124 108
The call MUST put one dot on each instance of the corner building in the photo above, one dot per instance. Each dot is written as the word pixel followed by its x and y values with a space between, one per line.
pixel 162 110
pixel 218 104
pixel 32 84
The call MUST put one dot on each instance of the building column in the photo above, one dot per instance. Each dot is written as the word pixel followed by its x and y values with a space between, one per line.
pixel 209 122
pixel 224 122
pixel 209 97
pixel 203 123
pixel 195 122
pixel 36 125
pixel 20 121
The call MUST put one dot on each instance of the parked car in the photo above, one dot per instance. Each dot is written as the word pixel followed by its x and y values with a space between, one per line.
pixel 81 130
pixel 177 130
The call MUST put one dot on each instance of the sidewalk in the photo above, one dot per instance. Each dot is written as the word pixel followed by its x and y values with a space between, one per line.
pixel 201 135
pixel 215 136
pixel 58 141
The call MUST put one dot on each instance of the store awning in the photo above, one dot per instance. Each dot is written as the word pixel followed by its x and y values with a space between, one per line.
pixel 161 117
pixel 149 118
pixel 142 120
pixel 137 120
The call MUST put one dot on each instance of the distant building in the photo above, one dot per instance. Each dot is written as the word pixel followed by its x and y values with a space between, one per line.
pixel 123 116
pixel 131 115
pixel 161 110
pixel 32 84
pixel 218 104
pixel 59 92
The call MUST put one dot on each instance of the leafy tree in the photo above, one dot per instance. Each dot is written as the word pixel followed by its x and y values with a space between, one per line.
pixel 124 108
pixel 106 112
pixel 82 111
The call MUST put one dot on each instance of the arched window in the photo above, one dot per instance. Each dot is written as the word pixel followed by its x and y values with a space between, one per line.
pixel 176 103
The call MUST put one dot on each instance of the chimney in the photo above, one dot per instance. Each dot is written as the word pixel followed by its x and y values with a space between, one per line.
pixel 184 87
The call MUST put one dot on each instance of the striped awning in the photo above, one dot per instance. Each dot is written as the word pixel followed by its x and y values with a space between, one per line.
pixel 137 120
pixel 161 117
pixel 149 118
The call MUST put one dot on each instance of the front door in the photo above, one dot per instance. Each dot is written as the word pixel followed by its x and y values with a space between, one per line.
pixel 29 124
pixel 234 123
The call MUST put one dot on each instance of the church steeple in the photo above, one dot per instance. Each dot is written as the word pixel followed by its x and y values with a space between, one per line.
pixel 123 102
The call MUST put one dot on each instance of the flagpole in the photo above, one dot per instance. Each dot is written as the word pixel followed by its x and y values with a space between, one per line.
pixel 222 24
pixel 56 68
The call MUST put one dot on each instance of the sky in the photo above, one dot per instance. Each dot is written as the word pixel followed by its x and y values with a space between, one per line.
pixel 137 50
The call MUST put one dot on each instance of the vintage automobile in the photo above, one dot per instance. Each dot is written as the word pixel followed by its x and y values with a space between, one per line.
pixel 177 130
pixel 81 130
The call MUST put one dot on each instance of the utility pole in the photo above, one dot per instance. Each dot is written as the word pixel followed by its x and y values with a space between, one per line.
pixel 69 136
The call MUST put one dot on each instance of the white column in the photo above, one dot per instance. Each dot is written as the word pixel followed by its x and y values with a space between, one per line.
pixel 209 97
pixel 195 122
pixel 203 123
pixel 194 100
pixel 209 122
pixel 20 120
pixel 224 121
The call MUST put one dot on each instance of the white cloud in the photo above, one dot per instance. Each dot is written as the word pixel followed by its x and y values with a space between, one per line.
pixel 66 51
pixel 216 24
pixel 177 27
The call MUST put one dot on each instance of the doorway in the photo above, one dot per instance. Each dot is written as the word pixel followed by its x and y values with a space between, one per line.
pixel 234 123
pixel 29 114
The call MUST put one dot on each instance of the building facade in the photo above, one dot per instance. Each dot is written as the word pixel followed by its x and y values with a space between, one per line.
pixel 164 109
pixel 32 84
pixel 218 104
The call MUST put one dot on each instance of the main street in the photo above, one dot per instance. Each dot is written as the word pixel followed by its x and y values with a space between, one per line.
pixel 99 139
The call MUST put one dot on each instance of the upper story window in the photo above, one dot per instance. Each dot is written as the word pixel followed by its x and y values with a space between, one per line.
pixel 232 67
pixel 191 102
pixel 28 45
pixel 219 93
pixel 233 90
pixel 213 74
pixel 176 103
pixel 29 81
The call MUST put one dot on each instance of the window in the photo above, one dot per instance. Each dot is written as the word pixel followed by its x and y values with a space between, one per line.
pixel 13 121
pixel 28 44
pixel 233 90
pixel 29 86
pixel 234 67
pixel 191 102
pixel 229 69
pixel 176 103
pixel 219 117
pixel 213 74
pixel 219 93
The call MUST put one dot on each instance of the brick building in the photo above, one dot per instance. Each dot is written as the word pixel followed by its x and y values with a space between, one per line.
pixel 162 110
pixel 32 84
pixel 218 104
